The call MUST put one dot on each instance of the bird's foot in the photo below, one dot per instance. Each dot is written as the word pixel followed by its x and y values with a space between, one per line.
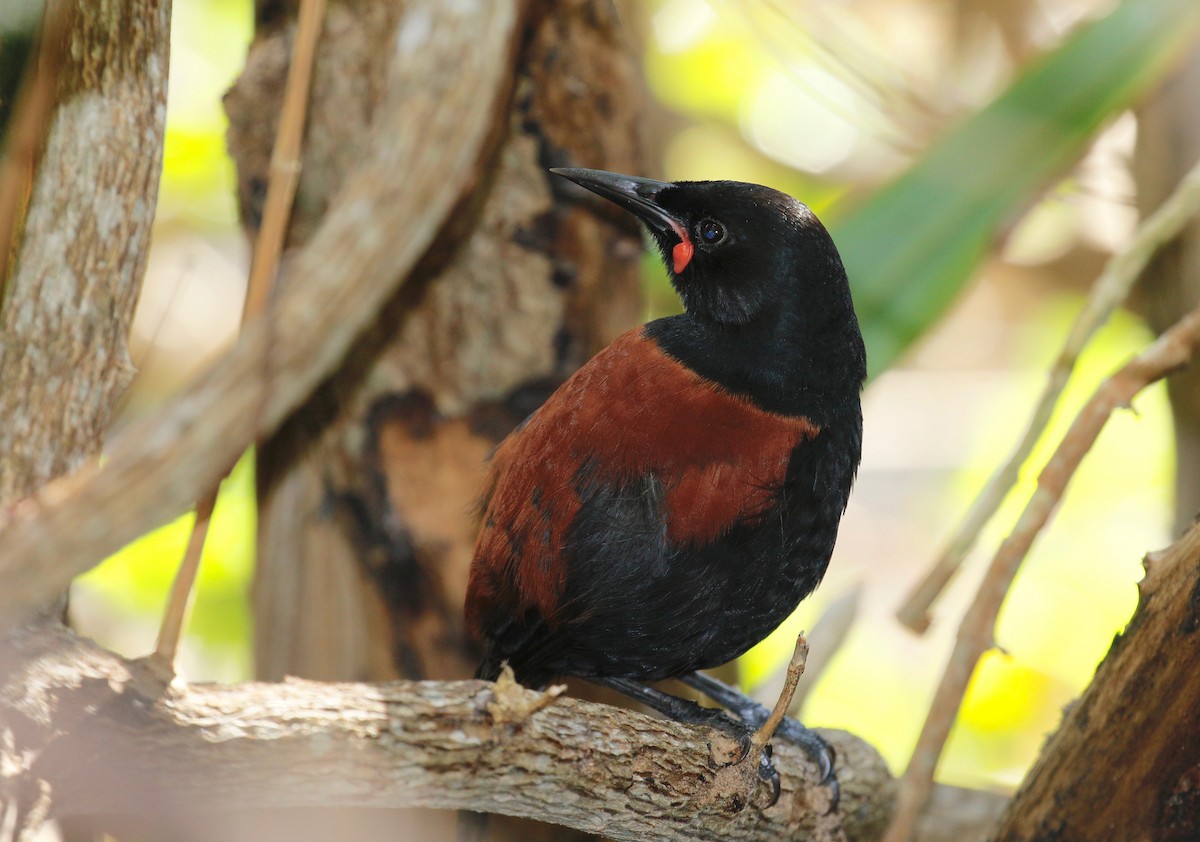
pixel 754 715
pixel 768 774
pixel 742 736
pixel 818 751
pixel 740 732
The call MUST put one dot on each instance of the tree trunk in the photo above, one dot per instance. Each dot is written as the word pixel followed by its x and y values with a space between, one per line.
pixel 1125 763
pixel 368 491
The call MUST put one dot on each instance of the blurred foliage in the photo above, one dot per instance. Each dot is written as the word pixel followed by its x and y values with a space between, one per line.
pixel 758 98
pixel 209 40
pixel 952 204
pixel 19 24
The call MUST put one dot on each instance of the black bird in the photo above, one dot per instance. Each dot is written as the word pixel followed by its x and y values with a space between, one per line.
pixel 677 497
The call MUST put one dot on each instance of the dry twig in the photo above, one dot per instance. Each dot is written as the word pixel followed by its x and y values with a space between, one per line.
pixel 277 210
pixel 1169 352
pixel 1109 291
pixel 826 639
pixel 795 669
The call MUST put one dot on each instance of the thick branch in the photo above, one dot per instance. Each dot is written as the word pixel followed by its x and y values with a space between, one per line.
pixel 109 737
pixel 1125 764
pixel 449 78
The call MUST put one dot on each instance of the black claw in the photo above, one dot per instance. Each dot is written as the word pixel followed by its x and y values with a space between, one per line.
pixel 751 714
pixel 754 715
pixel 819 752
pixel 769 774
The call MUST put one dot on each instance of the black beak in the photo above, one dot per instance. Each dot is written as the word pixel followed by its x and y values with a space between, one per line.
pixel 636 195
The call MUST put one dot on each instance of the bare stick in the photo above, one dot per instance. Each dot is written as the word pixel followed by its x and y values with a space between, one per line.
pixel 171 629
pixel 285 160
pixel 277 211
pixel 1110 289
pixel 826 639
pixel 795 669
pixel 1169 352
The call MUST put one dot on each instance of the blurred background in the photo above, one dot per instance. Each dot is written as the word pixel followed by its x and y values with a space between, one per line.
pixel 827 100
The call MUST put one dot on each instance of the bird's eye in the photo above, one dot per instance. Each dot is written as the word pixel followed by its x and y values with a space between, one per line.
pixel 711 232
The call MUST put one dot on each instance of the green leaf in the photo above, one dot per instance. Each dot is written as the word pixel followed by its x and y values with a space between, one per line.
pixel 913 246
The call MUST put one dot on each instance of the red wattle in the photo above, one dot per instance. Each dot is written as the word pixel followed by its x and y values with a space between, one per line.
pixel 682 254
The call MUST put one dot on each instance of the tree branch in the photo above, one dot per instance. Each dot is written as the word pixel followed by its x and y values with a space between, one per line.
pixel 108 736
pixel 69 300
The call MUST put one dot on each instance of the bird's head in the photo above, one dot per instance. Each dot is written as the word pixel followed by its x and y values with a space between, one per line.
pixel 733 250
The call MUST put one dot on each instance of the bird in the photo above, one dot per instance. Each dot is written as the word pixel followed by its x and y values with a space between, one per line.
pixel 675 499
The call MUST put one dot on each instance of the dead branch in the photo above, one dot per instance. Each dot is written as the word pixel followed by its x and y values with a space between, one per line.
pixel 1169 352
pixel 447 84
pixel 107 736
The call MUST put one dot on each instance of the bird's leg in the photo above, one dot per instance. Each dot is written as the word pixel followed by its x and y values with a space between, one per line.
pixel 756 716
pixel 688 712
pixel 676 708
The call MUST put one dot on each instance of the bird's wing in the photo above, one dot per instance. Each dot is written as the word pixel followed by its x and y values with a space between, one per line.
pixel 634 421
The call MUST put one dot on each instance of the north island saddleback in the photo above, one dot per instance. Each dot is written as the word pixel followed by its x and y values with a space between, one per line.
pixel 675 499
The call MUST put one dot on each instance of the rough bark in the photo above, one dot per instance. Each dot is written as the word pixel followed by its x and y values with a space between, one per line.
pixel 367 493
pixel 106 735
pixel 1169 146
pixel 69 300
pixel 419 162
pixel 1125 763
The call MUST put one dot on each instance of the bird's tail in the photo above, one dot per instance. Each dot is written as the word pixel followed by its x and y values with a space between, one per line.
pixel 473 827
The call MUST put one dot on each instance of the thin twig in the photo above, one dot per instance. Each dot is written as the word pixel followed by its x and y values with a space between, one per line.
pixel 1109 291
pixel 828 636
pixel 171 629
pixel 1169 352
pixel 285 160
pixel 795 669
pixel 30 122
pixel 277 211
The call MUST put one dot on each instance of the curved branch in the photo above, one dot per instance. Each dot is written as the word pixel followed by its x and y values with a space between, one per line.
pixel 109 736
